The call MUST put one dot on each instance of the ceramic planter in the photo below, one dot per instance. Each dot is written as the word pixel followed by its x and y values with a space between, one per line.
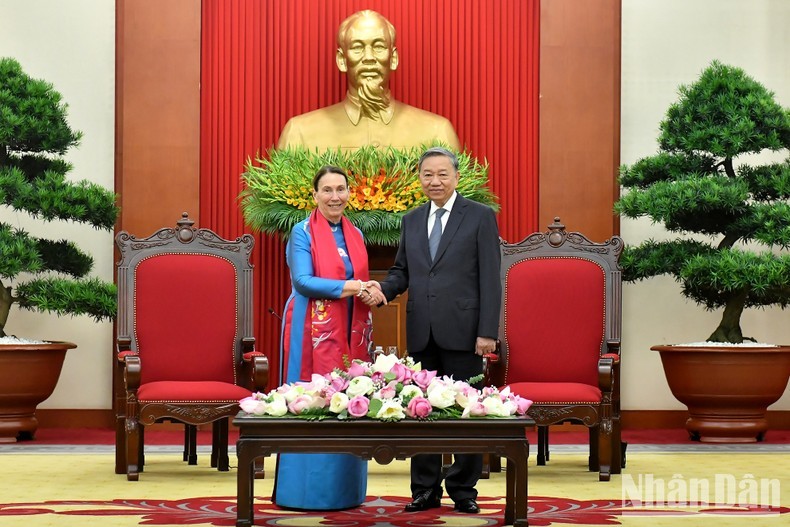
pixel 727 389
pixel 28 375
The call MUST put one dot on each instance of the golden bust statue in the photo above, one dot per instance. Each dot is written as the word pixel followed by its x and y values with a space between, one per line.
pixel 368 115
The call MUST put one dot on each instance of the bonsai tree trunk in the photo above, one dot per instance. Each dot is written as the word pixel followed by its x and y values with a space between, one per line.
pixel 5 306
pixel 729 329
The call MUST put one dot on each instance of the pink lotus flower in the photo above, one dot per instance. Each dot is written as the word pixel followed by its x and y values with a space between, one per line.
pixel 336 385
pixel 388 392
pixel 401 372
pixel 358 406
pixel 419 408
pixel 339 383
pixel 522 404
pixel 252 405
pixel 298 405
pixel 357 369
pixel 423 378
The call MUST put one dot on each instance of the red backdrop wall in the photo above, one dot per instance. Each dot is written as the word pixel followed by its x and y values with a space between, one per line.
pixel 472 61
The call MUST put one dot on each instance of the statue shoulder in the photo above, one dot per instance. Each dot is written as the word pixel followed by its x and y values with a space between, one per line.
pixel 427 124
pixel 301 130
pixel 418 114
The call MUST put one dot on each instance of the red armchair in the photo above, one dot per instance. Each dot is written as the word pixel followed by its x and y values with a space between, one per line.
pixel 560 337
pixel 185 349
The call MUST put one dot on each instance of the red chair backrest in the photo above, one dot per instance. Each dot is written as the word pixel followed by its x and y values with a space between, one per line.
pixel 554 320
pixel 185 317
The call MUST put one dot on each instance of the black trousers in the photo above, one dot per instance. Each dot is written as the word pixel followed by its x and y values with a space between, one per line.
pixel 426 469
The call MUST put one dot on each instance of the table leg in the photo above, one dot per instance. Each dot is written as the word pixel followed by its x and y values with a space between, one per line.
pixel 245 484
pixel 521 487
pixel 510 491
pixel 516 487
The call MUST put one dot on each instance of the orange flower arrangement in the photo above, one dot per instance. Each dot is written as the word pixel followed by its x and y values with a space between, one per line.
pixel 384 185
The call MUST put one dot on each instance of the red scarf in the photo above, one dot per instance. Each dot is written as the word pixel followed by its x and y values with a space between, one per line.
pixel 329 317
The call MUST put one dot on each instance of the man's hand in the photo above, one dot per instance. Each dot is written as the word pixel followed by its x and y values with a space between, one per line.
pixel 374 296
pixel 485 345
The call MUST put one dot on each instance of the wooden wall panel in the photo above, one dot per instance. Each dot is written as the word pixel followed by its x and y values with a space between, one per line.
pixel 580 114
pixel 157 112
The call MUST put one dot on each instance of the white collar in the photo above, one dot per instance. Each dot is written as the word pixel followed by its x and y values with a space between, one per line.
pixel 447 206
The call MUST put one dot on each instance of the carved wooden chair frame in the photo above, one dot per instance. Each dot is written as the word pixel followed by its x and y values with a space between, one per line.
pixel 607 453
pixel 252 367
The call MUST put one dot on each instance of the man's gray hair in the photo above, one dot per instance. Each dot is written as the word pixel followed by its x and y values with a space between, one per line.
pixel 438 151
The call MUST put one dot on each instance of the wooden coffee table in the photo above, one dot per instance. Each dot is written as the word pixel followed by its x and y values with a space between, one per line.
pixel 383 442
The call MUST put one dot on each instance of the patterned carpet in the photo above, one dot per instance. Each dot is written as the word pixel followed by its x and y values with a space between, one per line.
pixel 71 485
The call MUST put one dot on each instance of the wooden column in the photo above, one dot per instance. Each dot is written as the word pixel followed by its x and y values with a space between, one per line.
pixel 580 114
pixel 157 150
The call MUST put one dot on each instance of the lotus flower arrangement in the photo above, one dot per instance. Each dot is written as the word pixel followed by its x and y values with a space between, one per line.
pixel 389 389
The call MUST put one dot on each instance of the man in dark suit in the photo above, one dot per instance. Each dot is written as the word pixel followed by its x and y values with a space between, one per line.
pixel 448 259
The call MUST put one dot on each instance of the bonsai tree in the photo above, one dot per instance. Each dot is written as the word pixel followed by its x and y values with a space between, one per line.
pixel 48 275
pixel 700 187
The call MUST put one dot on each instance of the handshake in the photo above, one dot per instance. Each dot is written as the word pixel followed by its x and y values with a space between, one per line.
pixel 370 293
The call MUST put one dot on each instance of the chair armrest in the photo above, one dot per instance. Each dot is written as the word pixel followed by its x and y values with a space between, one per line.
pixel 490 361
pixel 258 366
pixel 131 369
pixel 606 371
pixel 609 366
pixel 494 356
pixel 124 348
pixel 123 345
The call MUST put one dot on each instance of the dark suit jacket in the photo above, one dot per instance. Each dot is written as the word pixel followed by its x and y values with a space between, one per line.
pixel 458 296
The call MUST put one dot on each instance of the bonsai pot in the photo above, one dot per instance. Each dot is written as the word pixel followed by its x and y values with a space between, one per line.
pixel 727 389
pixel 28 375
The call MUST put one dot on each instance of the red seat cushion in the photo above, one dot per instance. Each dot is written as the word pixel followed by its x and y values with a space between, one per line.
pixel 557 392
pixel 193 392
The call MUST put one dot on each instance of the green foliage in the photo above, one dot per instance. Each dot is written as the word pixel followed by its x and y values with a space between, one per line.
pixel 69 297
pixel 725 113
pixel 34 133
pixel 50 196
pixel 706 205
pixel 384 186
pixel 715 278
pixel 693 187
pixel 32 115
pixel 17 252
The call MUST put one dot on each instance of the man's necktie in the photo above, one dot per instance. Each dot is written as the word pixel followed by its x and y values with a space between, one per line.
pixel 436 233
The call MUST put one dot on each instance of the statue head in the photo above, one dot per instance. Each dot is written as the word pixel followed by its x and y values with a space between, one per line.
pixel 366 53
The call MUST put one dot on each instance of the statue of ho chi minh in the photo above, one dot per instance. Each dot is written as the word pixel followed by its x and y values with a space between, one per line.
pixel 368 115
